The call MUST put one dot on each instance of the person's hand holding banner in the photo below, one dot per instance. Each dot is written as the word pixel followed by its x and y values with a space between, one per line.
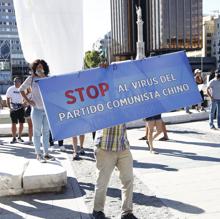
pixel 93 99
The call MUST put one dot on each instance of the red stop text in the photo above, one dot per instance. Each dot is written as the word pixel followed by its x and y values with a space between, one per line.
pixel 92 92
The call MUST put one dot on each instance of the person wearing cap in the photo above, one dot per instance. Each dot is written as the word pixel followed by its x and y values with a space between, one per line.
pixel 15 104
pixel 213 91
pixel 199 81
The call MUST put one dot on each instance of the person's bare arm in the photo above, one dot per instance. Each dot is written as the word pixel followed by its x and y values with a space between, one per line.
pixel 31 102
pixel 209 93
pixel 8 103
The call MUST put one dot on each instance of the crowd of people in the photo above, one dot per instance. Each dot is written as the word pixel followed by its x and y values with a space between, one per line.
pixel 25 103
pixel 111 144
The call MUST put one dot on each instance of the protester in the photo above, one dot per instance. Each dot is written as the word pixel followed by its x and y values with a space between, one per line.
pixel 112 150
pixel 27 115
pixel 39 69
pixel 213 91
pixel 199 81
pixel 60 143
pixel 164 130
pixel 154 121
pixel 210 77
pixel 15 104
pixel 75 147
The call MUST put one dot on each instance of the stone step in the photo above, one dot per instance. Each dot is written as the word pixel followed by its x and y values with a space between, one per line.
pixel 44 177
pixel 22 176
pixel 11 173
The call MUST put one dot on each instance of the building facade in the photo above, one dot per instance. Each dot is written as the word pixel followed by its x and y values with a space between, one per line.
pixel 12 62
pixel 216 41
pixel 169 25
pixel 208 32
pixel 123 28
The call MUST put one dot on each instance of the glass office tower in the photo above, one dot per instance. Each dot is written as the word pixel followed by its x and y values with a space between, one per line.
pixel 11 56
pixel 122 26
pixel 169 25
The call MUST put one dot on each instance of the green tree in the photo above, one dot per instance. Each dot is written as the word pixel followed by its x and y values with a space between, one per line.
pixel 92 59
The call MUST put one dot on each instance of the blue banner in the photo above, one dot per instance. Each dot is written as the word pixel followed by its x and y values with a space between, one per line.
pixel 93 99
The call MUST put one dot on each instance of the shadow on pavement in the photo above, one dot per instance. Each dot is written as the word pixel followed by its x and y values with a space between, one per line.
pixel 205 144
pixel 86 186
pixel 185 132
pixel 1 142
pixel 179 153
pixel 22 150
pixel 8 214
pixel 182 154
pixel 139 147
pixel 43 205
pixel 18 150
pixel 89 153
pixel 151 201
pixel 36 208
pixel 137 164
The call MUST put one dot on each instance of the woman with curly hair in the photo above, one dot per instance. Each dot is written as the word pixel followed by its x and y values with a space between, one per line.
pixel 39 69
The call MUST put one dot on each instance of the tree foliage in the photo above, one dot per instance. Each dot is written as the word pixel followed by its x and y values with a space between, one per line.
pixel 92 59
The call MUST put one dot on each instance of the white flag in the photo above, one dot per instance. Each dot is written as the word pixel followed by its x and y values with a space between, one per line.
pixel 52 30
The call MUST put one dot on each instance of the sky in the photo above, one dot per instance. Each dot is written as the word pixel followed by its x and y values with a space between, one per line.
pixel 210 5
pixel 96 21
pixel 97 18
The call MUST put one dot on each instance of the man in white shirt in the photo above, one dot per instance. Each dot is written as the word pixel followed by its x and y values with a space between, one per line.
pixel 15 104
pixel 213 91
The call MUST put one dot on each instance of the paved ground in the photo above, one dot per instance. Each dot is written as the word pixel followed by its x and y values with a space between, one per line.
pixel 172 184
pixel 182 181
pixel 183 175
pixel 64 205
pixel 145 201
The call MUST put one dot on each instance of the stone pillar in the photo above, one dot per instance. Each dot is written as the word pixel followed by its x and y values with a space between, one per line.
pixel 140 43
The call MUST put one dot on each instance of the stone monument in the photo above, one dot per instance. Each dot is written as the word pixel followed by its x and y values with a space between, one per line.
pixel 140 43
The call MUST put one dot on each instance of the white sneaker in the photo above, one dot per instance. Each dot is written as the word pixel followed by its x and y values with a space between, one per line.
pixel 52 148
pixel 28 143
pixel 62 148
